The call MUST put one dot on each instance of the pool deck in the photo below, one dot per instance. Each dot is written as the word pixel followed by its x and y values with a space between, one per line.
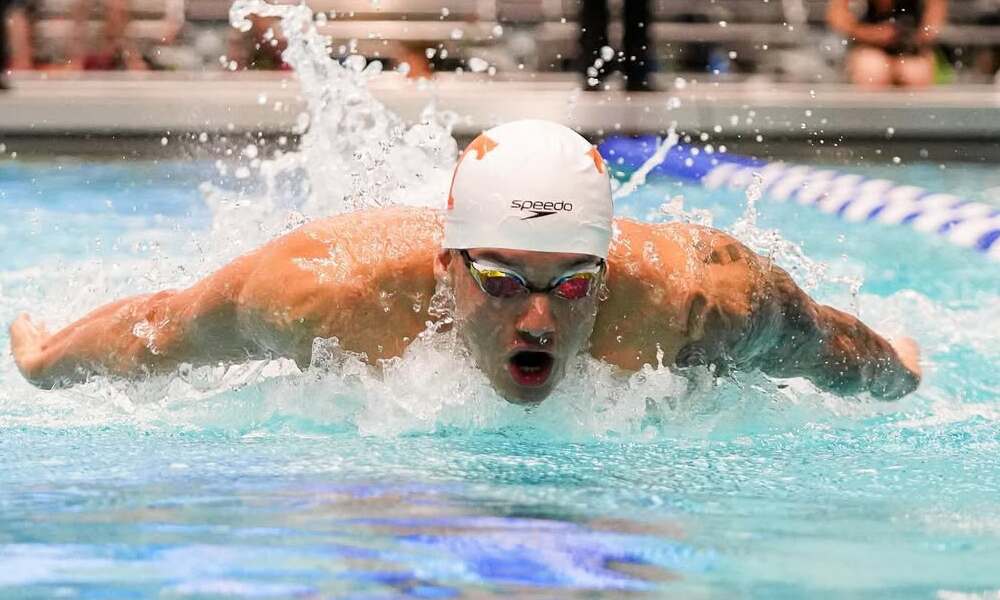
pixel 158 104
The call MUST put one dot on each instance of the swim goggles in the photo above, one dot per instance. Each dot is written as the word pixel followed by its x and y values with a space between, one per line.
pixel 501 283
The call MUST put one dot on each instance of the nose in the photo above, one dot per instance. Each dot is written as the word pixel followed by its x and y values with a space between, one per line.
pixel 537 324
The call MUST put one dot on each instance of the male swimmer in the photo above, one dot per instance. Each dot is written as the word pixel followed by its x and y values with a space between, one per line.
pixel 539 269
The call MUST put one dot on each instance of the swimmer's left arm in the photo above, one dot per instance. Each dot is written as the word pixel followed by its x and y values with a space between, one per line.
pixel 790 335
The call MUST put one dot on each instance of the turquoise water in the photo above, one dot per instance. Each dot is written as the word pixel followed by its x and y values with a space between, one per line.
pixel 265 482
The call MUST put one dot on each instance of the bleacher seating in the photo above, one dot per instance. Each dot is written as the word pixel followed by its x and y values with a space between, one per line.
pixel 381 28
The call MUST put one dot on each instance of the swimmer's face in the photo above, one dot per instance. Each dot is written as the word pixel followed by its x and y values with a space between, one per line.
pixel 524 341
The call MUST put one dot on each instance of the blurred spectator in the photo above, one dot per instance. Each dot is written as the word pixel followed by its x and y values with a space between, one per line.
pixel 892 43
pixel 115 51
pixel 15 37
pixel 597 59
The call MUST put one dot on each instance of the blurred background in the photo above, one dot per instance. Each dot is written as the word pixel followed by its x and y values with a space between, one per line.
pixel 781 40
pixel 849 72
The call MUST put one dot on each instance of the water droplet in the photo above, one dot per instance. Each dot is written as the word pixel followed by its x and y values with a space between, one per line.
pixel 457 34
pixel 497 30
pixel 355 62
pixel 164 141
pixel 607 53
pixel 477 65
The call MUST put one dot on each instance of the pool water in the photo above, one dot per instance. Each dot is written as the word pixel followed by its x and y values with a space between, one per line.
pixel 261 481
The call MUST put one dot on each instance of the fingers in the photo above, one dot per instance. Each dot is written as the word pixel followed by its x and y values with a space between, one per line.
pixel 26 343
pixel 21 329
pixel 908 352
pixel 26 336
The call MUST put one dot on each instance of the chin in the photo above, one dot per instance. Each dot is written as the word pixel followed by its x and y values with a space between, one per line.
pixel 527 395
pixel 521 397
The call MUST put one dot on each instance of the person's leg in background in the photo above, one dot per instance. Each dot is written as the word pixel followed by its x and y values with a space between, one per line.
pixel 76 49
pixel 914 70
pixel 636 64
pixel 116 40
pixel 4 28
pixel 19 38
pixel 593 36
pixel 869 67
pixel 116 48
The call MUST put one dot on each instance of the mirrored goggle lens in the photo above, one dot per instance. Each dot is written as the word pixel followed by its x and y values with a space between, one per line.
pixel 575 287
pixel 500 284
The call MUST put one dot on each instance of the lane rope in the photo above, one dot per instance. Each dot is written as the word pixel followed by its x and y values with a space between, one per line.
pixel 851 197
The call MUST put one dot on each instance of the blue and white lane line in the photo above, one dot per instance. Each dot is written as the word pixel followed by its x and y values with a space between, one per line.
pixel 851 197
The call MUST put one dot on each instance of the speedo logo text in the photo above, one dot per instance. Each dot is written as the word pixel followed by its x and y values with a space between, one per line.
pixel 539 208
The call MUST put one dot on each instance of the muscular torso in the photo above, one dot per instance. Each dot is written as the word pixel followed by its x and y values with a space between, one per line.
pixel 368 278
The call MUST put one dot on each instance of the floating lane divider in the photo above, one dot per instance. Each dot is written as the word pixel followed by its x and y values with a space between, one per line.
pixel 851 197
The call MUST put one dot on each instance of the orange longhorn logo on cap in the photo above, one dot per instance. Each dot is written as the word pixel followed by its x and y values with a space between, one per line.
pixel 482 145
pixel 598 160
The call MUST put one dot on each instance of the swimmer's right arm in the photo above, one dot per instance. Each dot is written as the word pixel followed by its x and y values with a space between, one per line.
pixel 140 335
pixel 272 303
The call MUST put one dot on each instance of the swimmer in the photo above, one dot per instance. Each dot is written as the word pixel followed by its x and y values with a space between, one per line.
pixel 539 271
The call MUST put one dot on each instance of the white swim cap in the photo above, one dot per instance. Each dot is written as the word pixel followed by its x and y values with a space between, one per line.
pixel 530 185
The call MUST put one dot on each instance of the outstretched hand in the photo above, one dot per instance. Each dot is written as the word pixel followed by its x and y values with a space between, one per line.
pixel 909 354
pixel 26 339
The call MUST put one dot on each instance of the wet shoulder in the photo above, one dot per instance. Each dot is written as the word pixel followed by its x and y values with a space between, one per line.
pixel 669 284
pixel 368 270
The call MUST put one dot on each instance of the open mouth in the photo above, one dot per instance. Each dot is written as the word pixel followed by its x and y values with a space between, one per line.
pixel 530 368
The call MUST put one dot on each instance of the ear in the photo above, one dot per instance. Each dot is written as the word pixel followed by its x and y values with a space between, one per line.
pixel 441 263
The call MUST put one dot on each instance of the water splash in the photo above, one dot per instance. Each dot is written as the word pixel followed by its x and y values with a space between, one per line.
pixel 638 178
pixel 770 243
pixel 355 153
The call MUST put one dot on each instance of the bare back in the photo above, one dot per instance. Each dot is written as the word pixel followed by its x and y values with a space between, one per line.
pixel 367 279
